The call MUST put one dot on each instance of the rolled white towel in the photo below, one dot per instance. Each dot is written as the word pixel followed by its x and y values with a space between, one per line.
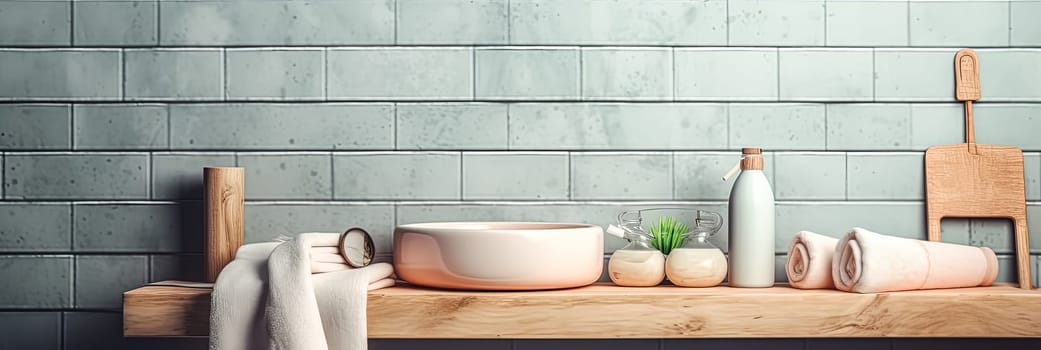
pixel 868 262
pixel 809 261
pixel 324 252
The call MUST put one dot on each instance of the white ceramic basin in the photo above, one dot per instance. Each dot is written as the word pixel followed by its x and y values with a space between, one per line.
pixel 499 255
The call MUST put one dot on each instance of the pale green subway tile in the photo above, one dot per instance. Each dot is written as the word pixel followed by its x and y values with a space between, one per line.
pixel 452 22
pixel 115 23
pixel 624 22
pixel 234 23
pixel 627 74
pixel 869 127
pixel 34 126
pixel 35 23
pixel 776 22
pixel 120 126
pixel 825 74
pixel 506 175
pixel 959 23
pixel 885 176
pixel 914 74
pixel 451 126
pixel 286 176
pixel 810 176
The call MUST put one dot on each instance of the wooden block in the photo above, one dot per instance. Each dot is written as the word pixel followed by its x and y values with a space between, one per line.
pixel 608 311
pixel 988 184
pixel 160 311
pixel 224 198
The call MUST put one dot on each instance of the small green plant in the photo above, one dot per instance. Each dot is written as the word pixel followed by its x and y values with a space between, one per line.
pixel 668 234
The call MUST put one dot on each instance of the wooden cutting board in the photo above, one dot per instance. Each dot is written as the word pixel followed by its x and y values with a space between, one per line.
pixel 977 181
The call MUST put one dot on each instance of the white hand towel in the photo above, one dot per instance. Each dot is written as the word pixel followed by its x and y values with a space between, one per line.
pixel 268 298
pixel 867 262
pixel 809 261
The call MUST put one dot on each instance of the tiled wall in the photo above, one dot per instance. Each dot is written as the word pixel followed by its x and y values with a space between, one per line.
pixel 380 112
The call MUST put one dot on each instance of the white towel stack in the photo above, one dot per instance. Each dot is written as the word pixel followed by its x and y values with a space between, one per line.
pixel 293 295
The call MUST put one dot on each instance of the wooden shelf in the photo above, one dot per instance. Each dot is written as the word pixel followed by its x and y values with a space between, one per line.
pixel 608 311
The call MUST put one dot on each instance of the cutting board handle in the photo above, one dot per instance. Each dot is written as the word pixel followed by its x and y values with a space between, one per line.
pixel 967 88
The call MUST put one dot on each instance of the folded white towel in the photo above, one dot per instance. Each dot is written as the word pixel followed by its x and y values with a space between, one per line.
pixel 809 261
pixel 867 262
pixel 268 298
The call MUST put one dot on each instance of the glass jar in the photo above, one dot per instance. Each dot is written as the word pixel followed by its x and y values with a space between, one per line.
pixel 639 263
pixel 697 262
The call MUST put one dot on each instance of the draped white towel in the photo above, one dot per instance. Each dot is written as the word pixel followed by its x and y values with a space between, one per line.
pixel 269 297
pixel 868 262
pixel 809 261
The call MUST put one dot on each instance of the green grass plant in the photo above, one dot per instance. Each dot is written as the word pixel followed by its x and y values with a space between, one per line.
pixel 667 234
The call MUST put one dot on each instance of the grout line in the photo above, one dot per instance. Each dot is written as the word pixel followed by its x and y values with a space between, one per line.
pixel 581 93
pixel 394 132
pixel 72 280
pixel 826 128
pixel 72 227
pixel 325 74
pixel 509 143
pixel 462 180
pixel 169 128
pixel 473 74
pixel 123 74
pixel 72 126
pixel 158 24
pixel 874 72
pixel 672 75
pixel 148 177
pixel 825 22
pixel 72 22
pixel 727 17
pixel 332 177
pixel 224 74
pixel 570 177
pixel 150 261
pixel 509 20
pixel 846 186
pixel 909 24
pixel 151 176
pixel 777 51
pixel 396 22
pixel 672 175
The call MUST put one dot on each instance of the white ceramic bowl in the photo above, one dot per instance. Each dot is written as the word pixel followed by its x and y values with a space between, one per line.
pixel 499 255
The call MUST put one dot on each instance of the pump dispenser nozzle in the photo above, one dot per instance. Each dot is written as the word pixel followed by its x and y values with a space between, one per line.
pixel 751 159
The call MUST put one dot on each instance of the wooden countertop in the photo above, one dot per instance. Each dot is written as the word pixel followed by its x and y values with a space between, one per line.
pixel 608 311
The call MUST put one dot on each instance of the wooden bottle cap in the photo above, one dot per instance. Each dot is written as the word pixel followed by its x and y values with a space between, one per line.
pixel 753 158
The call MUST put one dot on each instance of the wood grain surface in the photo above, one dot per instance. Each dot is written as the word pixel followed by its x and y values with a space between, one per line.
pixel 608 311
pixel 224 196
pixel 972 180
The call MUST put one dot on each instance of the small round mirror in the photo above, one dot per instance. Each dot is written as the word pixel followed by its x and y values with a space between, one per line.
pixel 356 247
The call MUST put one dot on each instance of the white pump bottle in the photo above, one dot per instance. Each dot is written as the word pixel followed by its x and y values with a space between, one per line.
pixel 751 224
